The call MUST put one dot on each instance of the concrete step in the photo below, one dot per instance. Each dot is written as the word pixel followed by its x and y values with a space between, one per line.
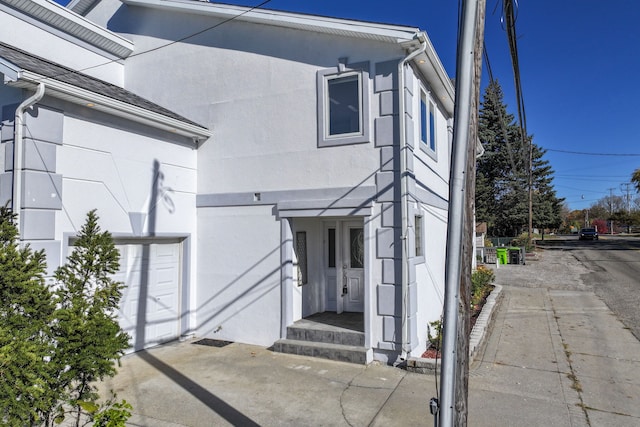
pixel 340 352
pixel 315 332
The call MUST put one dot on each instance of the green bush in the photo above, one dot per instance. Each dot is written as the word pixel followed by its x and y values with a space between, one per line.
pixel 480 284
pixel 436 338
pixel 524 241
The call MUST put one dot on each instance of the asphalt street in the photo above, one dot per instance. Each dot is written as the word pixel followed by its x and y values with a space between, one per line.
pixel 613 272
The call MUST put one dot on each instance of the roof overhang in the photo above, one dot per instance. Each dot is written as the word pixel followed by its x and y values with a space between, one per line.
pixel 320 24
pixel 67 92
pixel 65 20
pixel 430 66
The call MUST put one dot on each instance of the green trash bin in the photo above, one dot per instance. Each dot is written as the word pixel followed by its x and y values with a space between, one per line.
pixel 501 255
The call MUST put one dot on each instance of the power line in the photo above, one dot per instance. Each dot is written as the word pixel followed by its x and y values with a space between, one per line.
pixel 153 49
pixel 584 153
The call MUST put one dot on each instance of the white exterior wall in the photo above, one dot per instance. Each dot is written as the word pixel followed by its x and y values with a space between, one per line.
pixel 430 274
pixel 239 274
pixel 108 164
pixel 112 170
pixel 255 87
pixel 431 171
pixel 59 48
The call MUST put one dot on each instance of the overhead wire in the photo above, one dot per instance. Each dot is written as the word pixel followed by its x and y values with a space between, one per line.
pixel 584 153
pixel 154 49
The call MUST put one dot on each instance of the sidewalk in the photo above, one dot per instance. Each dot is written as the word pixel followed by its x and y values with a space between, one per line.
pixel 556 354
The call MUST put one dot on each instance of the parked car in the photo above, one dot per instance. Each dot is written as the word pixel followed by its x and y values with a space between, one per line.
pixel 588 234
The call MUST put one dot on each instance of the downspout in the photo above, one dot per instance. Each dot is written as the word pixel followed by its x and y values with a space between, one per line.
pixel 18 152
pixel 404 180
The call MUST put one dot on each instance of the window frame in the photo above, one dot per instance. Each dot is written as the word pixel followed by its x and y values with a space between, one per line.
pixel 363 135
pixel 427 123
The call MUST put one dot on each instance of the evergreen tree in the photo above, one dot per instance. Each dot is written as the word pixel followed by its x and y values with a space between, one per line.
pixel 88 337
pixel 635 179
pixel 55 345
pixel 26 306
pixel 502 185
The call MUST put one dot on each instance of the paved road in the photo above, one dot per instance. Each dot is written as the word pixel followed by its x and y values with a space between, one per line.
pixel 613 264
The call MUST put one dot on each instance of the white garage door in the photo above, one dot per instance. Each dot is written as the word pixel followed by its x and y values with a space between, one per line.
pixel 150 305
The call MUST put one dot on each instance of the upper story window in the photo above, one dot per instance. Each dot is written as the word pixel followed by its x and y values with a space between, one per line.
pixel 428 140
pixel 343 105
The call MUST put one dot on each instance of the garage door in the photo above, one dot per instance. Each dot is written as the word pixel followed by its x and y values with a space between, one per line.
pixel 150 305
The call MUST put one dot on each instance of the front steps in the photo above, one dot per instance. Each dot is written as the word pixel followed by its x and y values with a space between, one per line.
pixel 325 336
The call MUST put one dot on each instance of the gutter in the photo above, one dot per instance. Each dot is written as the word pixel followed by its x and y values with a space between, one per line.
pixel 404 178
pixel 113 106
pixel 18 152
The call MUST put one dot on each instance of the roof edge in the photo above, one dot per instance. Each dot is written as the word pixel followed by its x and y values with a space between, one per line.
pixel 112 106
pixel 387 32
pixel 67 21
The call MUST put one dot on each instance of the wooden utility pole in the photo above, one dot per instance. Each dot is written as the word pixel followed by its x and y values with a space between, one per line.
pixel 461 222
pixel 464 306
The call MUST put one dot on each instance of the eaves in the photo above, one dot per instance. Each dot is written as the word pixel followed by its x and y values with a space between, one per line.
pixel 62 19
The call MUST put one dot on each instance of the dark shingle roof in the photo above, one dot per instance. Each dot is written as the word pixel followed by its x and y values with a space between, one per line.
pixel 36 64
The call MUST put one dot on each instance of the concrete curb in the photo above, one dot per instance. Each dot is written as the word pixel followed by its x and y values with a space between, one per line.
pixel 484 322
pixel 476 339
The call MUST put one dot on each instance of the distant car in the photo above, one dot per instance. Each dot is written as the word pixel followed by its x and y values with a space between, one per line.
pixel 588 234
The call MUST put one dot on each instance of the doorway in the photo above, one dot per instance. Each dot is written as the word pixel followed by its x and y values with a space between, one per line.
pixel 344 265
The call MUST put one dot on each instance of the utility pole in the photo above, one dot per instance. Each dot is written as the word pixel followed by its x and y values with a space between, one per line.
pixel 611 210
pixel 627 186
pixel 455 354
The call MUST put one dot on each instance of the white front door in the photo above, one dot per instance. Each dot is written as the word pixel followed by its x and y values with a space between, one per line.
pixel 353 256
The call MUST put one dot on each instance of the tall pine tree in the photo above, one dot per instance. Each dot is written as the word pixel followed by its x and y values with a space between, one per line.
pixel 88 337
pixel 26 307
pixel 502 199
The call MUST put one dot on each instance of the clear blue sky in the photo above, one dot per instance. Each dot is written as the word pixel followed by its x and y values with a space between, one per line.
pixel 579 62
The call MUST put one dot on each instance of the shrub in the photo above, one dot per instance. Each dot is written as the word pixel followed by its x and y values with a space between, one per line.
pixel 436 339
pixel 54 345
pixel 524 241
pixel 480 281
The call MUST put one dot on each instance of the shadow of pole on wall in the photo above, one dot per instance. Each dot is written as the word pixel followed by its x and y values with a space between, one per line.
pixel 141 316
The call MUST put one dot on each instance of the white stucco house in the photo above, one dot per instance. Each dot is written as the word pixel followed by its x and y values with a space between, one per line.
pixel 256 167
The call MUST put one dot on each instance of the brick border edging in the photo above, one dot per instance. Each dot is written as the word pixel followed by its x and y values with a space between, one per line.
pixel 476 339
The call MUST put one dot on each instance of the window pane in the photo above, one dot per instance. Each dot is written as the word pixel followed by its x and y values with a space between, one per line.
pixel 423 119
pixel 344 105
pixel 432 126
pixel 356 239
pixel 418 236
pixel 301 251
pixel 331 243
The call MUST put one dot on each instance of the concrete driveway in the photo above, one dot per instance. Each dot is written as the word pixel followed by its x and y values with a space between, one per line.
pixel 186 384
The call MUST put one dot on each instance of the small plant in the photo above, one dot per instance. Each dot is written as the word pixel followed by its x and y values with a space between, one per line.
pixel 436 338
pixel 481 284
pixel 524 241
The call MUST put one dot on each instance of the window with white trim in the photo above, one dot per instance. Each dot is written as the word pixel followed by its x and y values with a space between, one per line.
pixel 343 105
pixel 427 124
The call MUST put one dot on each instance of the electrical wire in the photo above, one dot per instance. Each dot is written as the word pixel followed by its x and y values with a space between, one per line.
pixel 153 49
pixel 584 153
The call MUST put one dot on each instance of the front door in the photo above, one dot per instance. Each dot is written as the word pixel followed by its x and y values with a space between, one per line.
pixel 353 266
